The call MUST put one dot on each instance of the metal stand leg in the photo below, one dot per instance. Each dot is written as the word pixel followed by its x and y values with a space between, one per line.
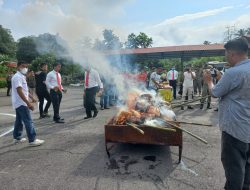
pixel 106 144
pixel 180 154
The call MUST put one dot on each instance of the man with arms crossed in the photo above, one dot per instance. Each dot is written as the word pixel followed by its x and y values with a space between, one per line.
pixel 233 89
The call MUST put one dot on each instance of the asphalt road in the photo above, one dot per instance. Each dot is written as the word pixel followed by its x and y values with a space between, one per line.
pixel 74 156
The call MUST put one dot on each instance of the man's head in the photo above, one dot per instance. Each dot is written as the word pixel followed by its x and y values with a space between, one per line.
pixel 44 67
pixel 22 67
pixel 236 50
pixel 57 66
pixel 159 70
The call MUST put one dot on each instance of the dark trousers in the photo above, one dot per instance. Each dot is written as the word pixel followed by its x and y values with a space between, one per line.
pixel 173 83
pixel 41 96
pixel 90 94
pixel 56 98
pixel 104 100
pixel 23 116
pixel 8 88
pixel 235 157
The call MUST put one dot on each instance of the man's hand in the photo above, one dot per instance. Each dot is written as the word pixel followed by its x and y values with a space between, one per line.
pixel 64 91
pixel 56 88
pixel 207 76
pixel 30 106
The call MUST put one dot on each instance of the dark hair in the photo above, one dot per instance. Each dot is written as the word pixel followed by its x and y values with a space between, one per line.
pixel 55 64
pixel 20 63
pixel 238 44
pixel 42 64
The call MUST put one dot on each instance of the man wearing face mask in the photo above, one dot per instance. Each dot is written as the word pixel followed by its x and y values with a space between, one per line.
pixel 53 82
pixel 22 105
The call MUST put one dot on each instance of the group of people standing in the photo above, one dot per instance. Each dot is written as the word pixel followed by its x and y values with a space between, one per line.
pixel 191 83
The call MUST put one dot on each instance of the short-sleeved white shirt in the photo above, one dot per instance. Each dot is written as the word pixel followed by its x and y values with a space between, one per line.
pixel 188 80
pixel 19 80
pixel 156 77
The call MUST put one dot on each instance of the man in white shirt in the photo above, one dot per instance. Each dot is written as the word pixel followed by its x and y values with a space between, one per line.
pixel 92 85
pixel 53 82
pixel 21 103
pixel 155 79
pixel 188 85
pixel 172 77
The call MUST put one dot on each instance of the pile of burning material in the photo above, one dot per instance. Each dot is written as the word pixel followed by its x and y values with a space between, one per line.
pixel 148 110
pixel 143 108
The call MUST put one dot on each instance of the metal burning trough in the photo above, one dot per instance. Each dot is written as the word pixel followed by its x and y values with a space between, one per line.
pixel 145 120
pixel 151 135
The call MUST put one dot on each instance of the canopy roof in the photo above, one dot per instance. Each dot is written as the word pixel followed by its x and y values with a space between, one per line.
pixel 184 51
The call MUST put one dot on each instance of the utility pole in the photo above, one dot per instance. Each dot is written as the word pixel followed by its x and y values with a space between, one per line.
pixel 230 32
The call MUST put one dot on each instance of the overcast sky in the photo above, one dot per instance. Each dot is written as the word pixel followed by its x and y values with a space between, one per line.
pixel 167 22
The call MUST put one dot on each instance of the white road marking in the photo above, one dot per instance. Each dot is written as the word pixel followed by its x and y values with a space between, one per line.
pixel 12 128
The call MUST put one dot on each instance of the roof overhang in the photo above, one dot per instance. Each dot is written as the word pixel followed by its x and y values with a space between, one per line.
pixel 184 52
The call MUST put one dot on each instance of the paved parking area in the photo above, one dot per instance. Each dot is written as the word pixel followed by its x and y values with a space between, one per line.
pixel 74 156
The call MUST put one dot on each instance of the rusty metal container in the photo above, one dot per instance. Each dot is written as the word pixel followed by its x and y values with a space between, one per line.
pixel 154 136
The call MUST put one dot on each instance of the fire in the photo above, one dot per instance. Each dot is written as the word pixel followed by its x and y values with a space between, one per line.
pixel 143 107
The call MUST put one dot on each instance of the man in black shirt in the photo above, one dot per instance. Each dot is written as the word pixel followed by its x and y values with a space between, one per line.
pixel 42 91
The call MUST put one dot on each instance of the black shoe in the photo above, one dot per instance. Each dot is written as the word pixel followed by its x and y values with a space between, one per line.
pixel 190 107
pixel 95 113
pixel 208 106
pixel 201 106
pixel 87 117
pixel 42 116
pixel 216 109
pixel 59 121
pixel 182 107
pixel 106 108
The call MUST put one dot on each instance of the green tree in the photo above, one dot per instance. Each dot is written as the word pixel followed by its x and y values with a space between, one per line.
pixel 46 58
pixel 98 45
pixel 241 33
pixel 144 41
pixel 7 43
pixel 248 31
pixel 206 42
pixel 131 41
pixel 111 41
pixel 26 49
pixel 87 43
pixel 49 43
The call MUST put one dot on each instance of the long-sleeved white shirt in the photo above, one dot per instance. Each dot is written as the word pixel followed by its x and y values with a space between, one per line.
pixel 172 75
pixel 51 80
pixel 94 79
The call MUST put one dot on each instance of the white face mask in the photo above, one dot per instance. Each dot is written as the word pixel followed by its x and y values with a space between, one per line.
pixel 24 71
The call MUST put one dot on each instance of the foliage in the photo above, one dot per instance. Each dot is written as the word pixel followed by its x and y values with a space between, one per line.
pixel 51 44
pixel 98 45
pixel 144 41
pixel 3 83
pixel 199 62
pixel 132 41
pixel 3 70
pixel 4 57
pixel 26 49
pixel 48 58
pixel 111 41
pixel 7 43
pixel 139 41
pixel 206 42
